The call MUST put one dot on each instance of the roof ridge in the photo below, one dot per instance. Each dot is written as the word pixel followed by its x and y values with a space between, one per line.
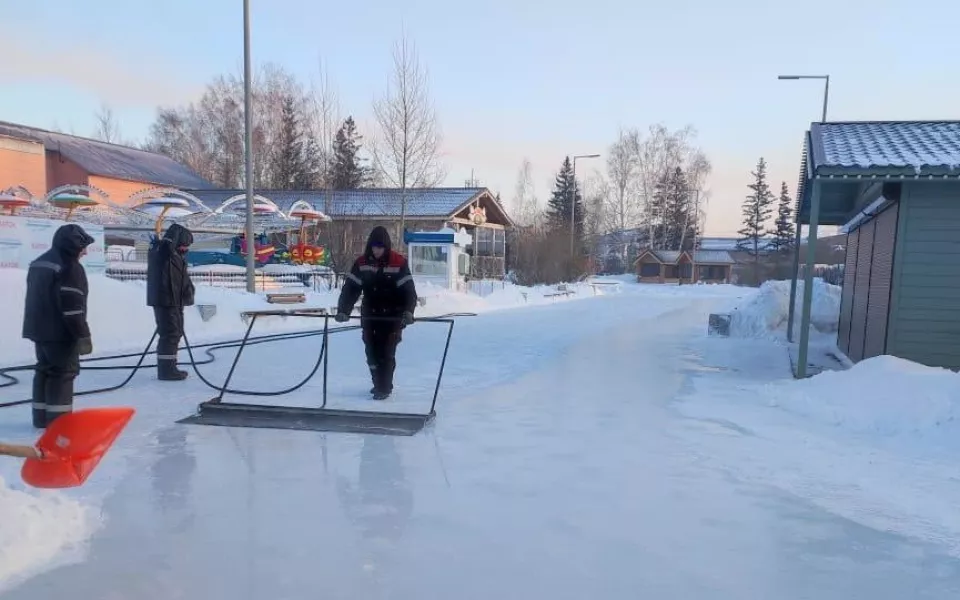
pixel 79 137
pixel 895 122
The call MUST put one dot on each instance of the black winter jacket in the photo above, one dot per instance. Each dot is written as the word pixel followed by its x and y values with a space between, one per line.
pixel 387 285
pixel 168 282
pixel 56 304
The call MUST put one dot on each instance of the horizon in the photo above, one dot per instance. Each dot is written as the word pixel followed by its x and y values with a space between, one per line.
pixel 503 79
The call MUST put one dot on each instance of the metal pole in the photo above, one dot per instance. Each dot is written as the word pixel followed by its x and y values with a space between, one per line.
pixel 573 212
pixel 826 96
pixel 248 150
pixel 808 281
pixel 793 283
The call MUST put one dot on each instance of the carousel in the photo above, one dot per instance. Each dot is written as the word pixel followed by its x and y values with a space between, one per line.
pixel 221 232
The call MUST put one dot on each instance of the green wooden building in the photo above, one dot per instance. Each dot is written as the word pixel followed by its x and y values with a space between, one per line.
pixel 894 187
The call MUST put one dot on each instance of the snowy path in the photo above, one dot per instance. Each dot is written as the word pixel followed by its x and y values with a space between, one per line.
pixel 571 476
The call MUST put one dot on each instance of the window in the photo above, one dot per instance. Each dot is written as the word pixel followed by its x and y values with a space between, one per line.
pixel 649 270
pixel 713 272
pixel 430 261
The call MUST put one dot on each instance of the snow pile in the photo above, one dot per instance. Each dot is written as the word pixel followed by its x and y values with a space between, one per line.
pixel 36 528
pixel 884 396
pixel 764 314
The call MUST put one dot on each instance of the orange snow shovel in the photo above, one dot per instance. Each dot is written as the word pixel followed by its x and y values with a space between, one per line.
pixel 71 447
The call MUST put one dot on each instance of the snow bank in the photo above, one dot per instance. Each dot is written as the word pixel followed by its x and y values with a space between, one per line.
pixel 764 314
pixel 36 528
pixel 884 396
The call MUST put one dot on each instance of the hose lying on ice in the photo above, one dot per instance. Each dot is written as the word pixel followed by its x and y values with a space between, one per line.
pixel 86 364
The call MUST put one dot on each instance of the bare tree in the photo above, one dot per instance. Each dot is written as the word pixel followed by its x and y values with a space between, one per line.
pixel 406 151
pixel 326 117
pixel 660 152
pixel 107 128
pixel 623 208
pixel 527 212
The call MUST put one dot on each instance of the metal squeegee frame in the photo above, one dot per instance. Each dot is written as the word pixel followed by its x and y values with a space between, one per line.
pixel 325 356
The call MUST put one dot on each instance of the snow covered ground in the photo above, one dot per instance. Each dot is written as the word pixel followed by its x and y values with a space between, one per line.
pixel 602 447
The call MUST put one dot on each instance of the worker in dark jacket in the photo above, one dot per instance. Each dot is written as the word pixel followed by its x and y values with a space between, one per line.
pixel 389 299
pixel 169 289
pixel 55 320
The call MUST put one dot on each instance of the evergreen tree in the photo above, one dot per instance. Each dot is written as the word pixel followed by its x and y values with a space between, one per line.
pixel 757 208
pixel 290 168
pixel 346 170
pixel 679 220
pixel 783 231
pixel 559 205
pixel 311 175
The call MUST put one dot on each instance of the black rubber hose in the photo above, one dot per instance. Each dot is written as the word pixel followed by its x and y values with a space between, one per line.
pixel 209 349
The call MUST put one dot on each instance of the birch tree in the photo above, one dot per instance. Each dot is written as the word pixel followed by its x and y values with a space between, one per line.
pixel 406 151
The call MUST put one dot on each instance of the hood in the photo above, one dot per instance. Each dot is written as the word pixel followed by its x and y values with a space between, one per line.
pixel 378 235
pixel 71 239
pixel 179 235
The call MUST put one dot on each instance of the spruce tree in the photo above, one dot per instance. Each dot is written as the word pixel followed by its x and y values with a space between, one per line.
pixel 559 205
pixel 757 208
pixel 680 222
pixel 346 169
pixel 290 168
pixel 783 231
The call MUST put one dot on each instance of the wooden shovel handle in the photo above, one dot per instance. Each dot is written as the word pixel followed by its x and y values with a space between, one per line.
pixel 20 451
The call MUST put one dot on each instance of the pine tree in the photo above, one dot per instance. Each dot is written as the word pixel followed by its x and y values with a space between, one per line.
pixel 346 170
pixel 757 208
pixel 559 204
pixel 290 168
pixel 783 231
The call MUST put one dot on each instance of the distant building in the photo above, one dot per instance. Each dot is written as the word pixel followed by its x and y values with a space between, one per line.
pixel 672 266
pixel 356 212
pixel 37 161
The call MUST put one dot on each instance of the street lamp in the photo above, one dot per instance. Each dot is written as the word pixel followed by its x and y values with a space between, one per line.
pixel 248 150
pixel 826 89
pixel 796 242
pixel 573 203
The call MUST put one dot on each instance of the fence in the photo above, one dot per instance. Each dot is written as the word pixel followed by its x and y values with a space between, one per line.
pixel 317 281
pixel 485 287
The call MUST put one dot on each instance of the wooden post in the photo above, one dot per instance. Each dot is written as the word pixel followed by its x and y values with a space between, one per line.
pixel 808 282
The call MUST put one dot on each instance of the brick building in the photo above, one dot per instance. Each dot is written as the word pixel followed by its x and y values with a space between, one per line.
pixel 38 161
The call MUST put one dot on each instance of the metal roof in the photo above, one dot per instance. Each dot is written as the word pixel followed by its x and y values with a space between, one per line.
pixel 924 147
pixel 111 160
pixel 852 153
pixel 371 202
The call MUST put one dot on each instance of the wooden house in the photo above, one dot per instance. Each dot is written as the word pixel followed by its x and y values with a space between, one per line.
pixel 673 266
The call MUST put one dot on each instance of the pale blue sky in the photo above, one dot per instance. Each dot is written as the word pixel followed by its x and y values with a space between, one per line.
pixel 513 79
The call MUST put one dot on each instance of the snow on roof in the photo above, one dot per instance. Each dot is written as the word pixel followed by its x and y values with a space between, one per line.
pixel 372 202
pixel 917 145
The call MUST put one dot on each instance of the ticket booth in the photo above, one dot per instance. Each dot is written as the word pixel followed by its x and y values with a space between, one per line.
pixel 439 257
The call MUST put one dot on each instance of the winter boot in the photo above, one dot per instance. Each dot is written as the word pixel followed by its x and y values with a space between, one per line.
pixel 167 371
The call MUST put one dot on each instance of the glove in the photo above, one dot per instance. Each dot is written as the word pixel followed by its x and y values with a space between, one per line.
pixel 341 318
pixel 85 346
pixel 407 318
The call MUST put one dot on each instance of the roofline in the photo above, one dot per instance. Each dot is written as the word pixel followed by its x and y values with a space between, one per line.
pixel 79 137
pixel 481 192
pixel 893 122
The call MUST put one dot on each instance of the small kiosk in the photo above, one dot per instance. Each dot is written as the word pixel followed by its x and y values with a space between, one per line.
pixel 439 257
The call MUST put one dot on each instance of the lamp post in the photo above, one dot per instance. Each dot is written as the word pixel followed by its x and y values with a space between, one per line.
pixel 248 150
pixel 826 89
pixel 796 242
pixel 573 203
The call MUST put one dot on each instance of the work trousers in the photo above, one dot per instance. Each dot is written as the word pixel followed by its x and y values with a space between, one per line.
pixel 169 331
pixel 58 364
pixel 380 341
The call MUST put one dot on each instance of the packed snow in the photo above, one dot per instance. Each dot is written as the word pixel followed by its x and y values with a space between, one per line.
pixel 740 481
pixel 765 314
